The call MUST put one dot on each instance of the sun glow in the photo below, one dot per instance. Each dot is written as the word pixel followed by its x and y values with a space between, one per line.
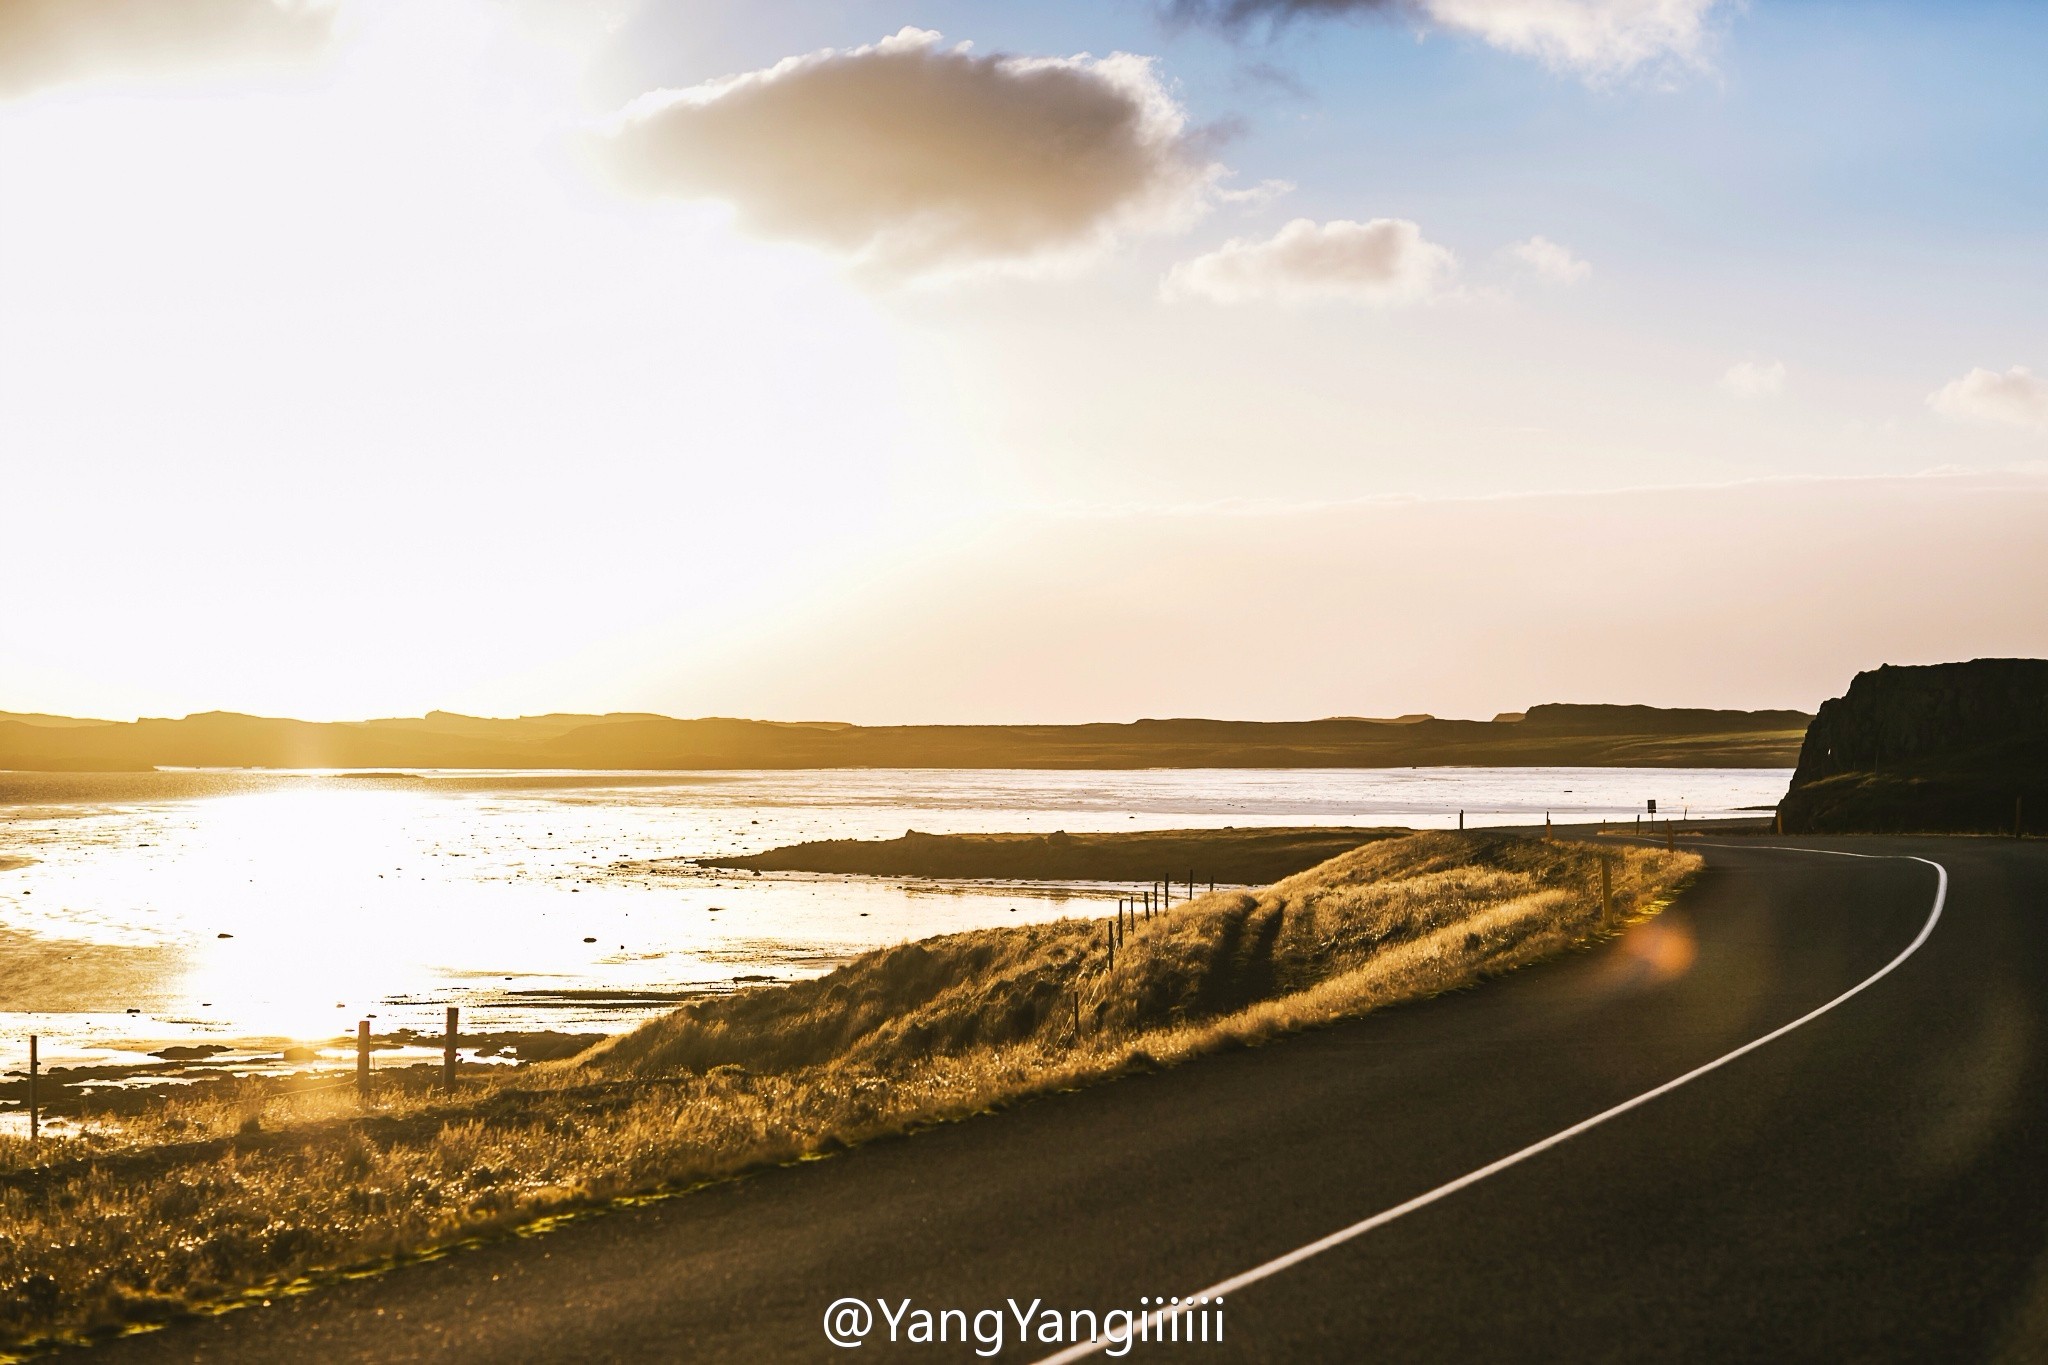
pixel 367 359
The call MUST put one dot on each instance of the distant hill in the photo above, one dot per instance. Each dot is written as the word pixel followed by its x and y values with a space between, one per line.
pixel 1938 748
pixel 1636 736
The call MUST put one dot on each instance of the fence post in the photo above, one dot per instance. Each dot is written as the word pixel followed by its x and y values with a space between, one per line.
pixel 363 1058
pixel 1109 937
pixel 1606 892
pixel 1461 819
pixel 448 1052
pixel 34 1116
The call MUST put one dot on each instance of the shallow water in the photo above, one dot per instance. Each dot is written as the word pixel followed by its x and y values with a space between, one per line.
pixel 256 909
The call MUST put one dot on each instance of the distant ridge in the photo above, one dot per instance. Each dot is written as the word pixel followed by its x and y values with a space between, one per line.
pixel 1551 735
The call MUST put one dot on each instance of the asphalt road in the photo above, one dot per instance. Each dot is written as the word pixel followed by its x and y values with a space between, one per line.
pixel 1871 1186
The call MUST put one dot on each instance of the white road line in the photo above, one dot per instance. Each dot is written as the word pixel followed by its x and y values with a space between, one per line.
pixel 1158 1318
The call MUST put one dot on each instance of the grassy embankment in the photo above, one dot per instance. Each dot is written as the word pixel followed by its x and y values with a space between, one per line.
pixel 207 1200
pixel 1238 857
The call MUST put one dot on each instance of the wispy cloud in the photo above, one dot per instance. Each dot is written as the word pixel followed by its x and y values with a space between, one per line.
pixel 52 42
pixel 1551 261
pixel 919 157
pixel 2017 398
pixel 1383 262
pixel 1256 196
pixel 1754 378
pixel 1593 38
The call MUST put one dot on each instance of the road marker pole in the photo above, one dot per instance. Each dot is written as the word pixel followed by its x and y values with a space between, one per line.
pixel 363 1058
pixel 1670 839
pixel 448 1052
pixel 34 1114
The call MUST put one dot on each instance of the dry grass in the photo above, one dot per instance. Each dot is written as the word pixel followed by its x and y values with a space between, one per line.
pixel 205 1200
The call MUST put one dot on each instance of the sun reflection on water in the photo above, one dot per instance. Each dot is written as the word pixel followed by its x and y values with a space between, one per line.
pixel 257 909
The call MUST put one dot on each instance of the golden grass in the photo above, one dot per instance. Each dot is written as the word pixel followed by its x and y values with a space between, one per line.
pixel 205 1200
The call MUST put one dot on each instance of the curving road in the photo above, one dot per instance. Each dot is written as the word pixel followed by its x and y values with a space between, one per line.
pixel 1872 1185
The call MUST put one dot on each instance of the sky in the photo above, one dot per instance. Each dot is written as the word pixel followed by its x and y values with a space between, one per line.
pixel 903 362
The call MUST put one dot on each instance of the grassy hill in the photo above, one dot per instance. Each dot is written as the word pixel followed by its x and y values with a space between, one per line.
pixel 212 1197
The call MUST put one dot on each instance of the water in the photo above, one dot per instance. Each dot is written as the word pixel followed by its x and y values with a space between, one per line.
pixel 253 910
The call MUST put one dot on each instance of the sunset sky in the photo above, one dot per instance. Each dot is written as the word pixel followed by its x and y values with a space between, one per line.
pixel 1067 361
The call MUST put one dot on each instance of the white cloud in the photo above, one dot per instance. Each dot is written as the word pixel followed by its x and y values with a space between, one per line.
pixel 1386 261
pixel 1754 378
pixel 52 42
pixel 1551 261
pixel 1593 37
pixel 2016 398
pixel 919 157
pixel 1259 195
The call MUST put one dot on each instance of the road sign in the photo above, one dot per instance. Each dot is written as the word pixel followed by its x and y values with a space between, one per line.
pixel 1653 805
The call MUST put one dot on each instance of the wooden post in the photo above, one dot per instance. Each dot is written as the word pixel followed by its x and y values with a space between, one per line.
pixel 1546 824
pixel 448 1052
pixel 1461 819
pixel 35 1118
pixel 363 1058
pixel 1781 822
pixel 1606 892
pixel 1109 937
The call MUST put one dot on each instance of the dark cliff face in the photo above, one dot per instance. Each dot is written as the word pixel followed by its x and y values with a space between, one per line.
pixel 1925 716
pixel 1940 747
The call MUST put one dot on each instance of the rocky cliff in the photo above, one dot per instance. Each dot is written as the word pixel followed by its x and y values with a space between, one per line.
pixel 1959 748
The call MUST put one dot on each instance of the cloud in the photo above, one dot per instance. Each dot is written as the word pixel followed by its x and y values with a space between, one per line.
pixel 2016 398
pixel 1598 38
pixel 1551 261
pixel 45 43
pixel 919 158
pixel 1257 196
pixel 1754 378
pixel 1385 262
